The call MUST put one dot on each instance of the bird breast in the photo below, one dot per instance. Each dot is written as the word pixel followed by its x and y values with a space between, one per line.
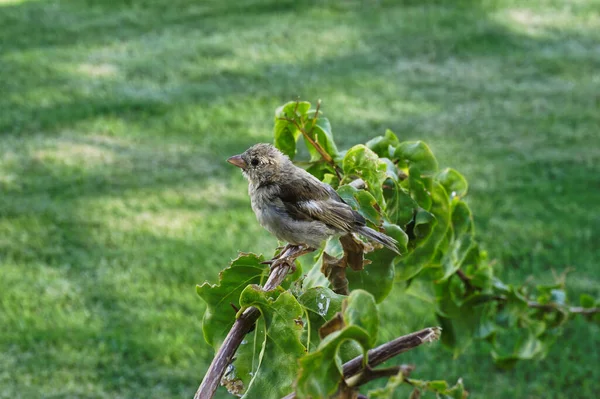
pixel 264 203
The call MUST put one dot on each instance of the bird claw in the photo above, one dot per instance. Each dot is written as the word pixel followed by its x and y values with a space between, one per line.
pixel 288 256
pixel 282 262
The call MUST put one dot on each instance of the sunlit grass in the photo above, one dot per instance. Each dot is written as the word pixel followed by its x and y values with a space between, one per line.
pixel 115 199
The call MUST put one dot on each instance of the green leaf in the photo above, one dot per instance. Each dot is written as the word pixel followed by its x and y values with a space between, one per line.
pixel 331 179
pixel 400 206
pixel 526 348
pixel 281 348
pixel 482 277
pixel 424 224
pixel 417 153
pixel 364 163
pixel 462 219
pixel 314 276
pixel 292 109
pixel 454 183
pixel 361 201
pixel 409 266
pixel 378 276
pixel 461 241
pixel 246 362
pixel 286 133
pixel 360 310
pixel 391 171
pixel 320 132
pixel 321 304
pixel 462 320
pixel 383 145
pixel 440 388
pixel 514 308
pixel 587 301
pixel 388 391
pixel 320 169
pixel 321 371
pixel 419 188
pixel 219 315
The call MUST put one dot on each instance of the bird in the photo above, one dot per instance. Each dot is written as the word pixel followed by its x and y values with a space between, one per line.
pixel 295 206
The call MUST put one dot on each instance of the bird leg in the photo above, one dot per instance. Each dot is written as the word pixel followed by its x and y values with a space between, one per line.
pixel 279 255
pixel 288 256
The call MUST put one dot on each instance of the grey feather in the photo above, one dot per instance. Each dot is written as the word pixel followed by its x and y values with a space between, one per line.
pixel 294 205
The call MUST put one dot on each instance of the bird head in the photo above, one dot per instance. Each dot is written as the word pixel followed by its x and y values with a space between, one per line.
pixel 261 164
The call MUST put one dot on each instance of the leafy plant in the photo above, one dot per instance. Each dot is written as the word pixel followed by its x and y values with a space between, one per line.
pixel 314 332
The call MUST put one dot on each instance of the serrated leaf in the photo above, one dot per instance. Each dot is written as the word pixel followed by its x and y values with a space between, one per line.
pixel 360 310
pixel 219 315
pixel 362 162
pixel 322 304
pixel 454 183
pixel 383 145
pixel 378 276
pixel 441 388
pixel 321 371
pixel 281 347
pixel 388 391
pixel 417 153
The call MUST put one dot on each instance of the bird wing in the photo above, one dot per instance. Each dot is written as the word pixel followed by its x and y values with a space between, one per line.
pixel 308 199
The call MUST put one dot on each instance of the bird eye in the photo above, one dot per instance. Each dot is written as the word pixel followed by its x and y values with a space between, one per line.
pixel 254 161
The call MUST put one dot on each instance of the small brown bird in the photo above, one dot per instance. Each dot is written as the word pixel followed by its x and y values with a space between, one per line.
pixel 294 205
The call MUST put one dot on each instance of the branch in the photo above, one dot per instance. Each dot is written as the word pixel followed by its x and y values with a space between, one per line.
pixel 387 351
pixel 280 267
pixel 390 349
pixel 546 307
pixel 584 311
pixel 465 279
pixel 316 145
pixel 551 307
pixel 369 374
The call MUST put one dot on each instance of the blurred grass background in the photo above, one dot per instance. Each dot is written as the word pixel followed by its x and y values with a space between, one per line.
pixel 115 200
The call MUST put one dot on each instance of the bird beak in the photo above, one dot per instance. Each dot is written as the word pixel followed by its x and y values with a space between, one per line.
pixel 237 161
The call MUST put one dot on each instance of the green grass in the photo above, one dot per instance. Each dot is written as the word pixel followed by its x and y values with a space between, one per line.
pixel 115 200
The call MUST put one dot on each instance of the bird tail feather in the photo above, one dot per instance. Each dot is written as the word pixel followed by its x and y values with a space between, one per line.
pixel 381 238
